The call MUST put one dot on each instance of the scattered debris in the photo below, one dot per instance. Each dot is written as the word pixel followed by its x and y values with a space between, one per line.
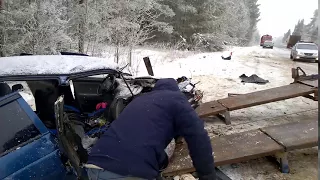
pixel 187 177
pixel 253 79
pixel 226 55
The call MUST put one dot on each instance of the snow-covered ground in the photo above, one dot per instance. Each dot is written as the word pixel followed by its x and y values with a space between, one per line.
pixel 219 77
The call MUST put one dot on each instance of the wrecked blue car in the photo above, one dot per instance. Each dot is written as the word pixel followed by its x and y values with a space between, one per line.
pixel 76 98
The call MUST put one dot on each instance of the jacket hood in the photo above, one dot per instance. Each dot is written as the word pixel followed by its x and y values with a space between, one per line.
pixel 166 84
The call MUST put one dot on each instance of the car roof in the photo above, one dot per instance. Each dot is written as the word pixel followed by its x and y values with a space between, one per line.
pixel 53 64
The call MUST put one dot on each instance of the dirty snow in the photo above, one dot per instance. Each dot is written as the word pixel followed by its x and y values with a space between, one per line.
pixel 53 64
pixel 218 78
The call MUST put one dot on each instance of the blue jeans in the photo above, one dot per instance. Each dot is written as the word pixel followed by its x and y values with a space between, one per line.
pixel 97 174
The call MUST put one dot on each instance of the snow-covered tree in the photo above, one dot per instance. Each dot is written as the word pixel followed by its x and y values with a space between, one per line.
pixel 32 27
pixel 311 29
pixel 298 29
pixel 286 36
pixel 48 26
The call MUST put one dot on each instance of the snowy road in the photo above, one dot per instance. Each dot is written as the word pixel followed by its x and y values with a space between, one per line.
pixel 275 66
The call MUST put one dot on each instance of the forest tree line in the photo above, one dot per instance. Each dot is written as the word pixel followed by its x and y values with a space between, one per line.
pixel 308 32
pixel 86 26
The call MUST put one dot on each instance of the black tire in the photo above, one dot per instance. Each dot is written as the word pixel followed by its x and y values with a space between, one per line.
pixel 271 47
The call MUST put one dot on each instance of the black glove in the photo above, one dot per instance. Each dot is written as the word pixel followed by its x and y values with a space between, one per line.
pixel 211 176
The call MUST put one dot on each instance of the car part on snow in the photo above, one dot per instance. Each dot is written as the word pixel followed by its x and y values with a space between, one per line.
pixel 252 79
pixel 73 54
pixel 194 96
pixel 226 55
pixel 25 54
pixel 297 77
pixel 148 65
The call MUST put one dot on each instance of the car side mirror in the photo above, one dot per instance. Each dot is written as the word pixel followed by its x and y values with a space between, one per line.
pixel 17 87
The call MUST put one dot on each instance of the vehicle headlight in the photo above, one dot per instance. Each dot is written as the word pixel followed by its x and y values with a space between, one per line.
pixel 300 53
pixel 315 54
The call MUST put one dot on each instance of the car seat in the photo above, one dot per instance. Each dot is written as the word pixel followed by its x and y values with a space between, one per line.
pixel 4 89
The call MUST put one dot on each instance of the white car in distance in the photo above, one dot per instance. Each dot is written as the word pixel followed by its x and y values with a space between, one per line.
pixel 304 51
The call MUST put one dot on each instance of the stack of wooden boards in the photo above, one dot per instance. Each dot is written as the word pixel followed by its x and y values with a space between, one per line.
pixel 224 106
pixel 274 140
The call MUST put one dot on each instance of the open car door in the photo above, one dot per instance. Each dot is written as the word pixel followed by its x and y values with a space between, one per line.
pixel 69 141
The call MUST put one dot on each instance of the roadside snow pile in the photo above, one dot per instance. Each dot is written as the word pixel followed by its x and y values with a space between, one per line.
pixel 259 52
pixel 52 64
pixel 180 63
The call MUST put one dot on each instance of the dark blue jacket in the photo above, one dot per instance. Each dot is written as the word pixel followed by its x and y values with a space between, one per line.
pixel 134 144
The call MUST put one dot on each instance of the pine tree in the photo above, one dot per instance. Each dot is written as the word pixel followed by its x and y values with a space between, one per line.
pixel 286 36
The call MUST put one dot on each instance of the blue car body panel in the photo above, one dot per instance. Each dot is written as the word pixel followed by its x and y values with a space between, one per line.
pixel 38 158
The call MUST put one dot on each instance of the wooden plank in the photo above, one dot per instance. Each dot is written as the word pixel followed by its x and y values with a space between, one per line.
pixel 295 135
pixel 148 65
pixel 266 96
pixel 312 83
pixel 227 149
pixel 209 109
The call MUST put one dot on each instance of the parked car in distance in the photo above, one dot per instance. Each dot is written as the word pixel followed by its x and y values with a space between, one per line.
pixel 304 51
pixel 268 44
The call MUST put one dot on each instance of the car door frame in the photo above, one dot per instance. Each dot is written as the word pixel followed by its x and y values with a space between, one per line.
pixel 37 157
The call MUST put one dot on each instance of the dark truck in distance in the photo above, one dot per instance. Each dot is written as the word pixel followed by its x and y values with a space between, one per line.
pixel 293 39
pixel 264 38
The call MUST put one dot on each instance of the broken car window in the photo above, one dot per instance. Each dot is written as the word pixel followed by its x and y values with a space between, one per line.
pixel 16 127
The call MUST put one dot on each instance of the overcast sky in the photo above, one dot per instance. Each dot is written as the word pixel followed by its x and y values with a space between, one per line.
pixel 278 16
